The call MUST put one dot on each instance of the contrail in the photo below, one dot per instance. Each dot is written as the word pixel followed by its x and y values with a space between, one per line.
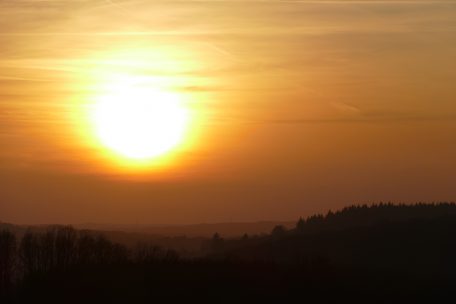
pixel 220 50
pixel 120 7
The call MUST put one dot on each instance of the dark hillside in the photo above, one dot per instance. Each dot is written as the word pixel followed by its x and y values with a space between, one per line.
pixel 379 254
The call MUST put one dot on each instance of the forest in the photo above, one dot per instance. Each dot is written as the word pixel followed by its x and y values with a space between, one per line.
pixel 379 253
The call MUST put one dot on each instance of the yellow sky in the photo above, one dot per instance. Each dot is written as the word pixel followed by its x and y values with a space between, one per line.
pixel 298 107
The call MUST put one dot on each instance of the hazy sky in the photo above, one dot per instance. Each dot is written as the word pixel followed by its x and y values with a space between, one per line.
pixel 299 107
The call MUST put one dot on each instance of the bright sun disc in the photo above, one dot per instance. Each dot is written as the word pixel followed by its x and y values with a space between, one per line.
pixel 139 123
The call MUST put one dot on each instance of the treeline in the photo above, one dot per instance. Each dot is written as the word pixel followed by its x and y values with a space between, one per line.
pixel 364 215
pixel 376 253
pixel 63 248
pixel 415 239
pixel 354 216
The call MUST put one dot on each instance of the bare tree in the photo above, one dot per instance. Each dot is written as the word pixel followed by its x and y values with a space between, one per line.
pixel 7 259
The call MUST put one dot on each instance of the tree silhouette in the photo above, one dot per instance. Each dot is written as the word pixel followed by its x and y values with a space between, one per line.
pixel 300 225
pixel 278 231
pixel 29 253
pixel 217 243
pixel 7 260
pixel 65 247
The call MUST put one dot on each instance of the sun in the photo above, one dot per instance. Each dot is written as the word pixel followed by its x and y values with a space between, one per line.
pixel 139 122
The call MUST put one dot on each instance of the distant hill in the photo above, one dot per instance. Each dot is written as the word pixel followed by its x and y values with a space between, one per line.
pixel 228 230
pixel 183 245
pixel 185 239
pixel 356 215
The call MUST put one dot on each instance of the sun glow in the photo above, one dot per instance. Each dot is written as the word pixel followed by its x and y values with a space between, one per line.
pixel 137 121
pixel 132 111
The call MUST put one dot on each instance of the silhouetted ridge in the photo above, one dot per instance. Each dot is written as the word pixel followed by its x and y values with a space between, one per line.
pixel 364 215
pixel 362 253
pixel 410 238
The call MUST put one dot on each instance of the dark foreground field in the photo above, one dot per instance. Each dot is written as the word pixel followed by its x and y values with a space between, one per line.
pixel 377 254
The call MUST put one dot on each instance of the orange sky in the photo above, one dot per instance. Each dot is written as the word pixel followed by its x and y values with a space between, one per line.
pixel 297 107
